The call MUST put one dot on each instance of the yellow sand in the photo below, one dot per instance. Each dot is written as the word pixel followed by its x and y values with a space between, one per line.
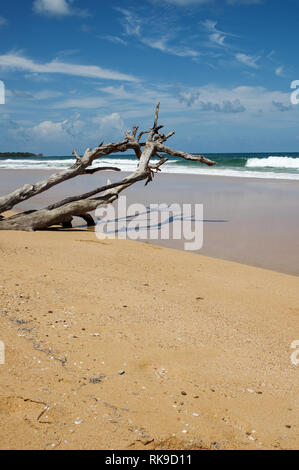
pixel 121 345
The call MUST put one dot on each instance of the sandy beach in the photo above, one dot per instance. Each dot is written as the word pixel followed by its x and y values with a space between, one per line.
pixel 122 345
pixel 116 344
pixel 149 228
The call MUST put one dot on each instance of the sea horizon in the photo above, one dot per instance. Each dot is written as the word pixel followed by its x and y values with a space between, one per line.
pixel 265 165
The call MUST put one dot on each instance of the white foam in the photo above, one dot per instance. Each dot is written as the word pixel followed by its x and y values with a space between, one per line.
pixel 232 173
pixel 273 162
pixel 129 165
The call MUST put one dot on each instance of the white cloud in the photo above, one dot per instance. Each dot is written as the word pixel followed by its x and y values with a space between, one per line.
pixel 111 110
pixel 117 92
pixel 215 35
pixel 47 95
pixel 188 97
pixel 226 107
pixel 280 71
pixel 133 25
pixel 161 45
pixel 3 21
pixel 40 95
pixel 17 62
pixel 115 40
pixel 110 126
pixel 283 107
pixel 249 60
pixel 57 8
pixel 111 121
pixel 244 99
pixel 87 102
pixel 49 130
pixel 132 102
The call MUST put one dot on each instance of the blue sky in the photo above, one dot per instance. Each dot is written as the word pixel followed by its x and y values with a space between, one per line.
pixel 78 72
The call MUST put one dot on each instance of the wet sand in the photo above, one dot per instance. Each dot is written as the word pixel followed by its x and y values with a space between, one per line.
pixel 250 221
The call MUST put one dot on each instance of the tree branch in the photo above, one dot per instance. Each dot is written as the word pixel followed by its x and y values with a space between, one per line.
pixel 62 212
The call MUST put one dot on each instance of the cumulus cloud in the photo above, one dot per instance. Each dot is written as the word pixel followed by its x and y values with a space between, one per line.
pixel 188 97
pixel 109 126
pixel 3 21
pixel 17 62
pixel 282 107
pixel 244 99
pixel 112 121
pixel 57 8
pixel 211 100
pixel 49 130
pixel 226 107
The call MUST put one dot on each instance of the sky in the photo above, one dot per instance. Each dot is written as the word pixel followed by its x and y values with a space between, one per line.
pixel 79 72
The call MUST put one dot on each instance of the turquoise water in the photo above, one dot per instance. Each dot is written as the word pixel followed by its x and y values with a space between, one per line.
pixel 282 165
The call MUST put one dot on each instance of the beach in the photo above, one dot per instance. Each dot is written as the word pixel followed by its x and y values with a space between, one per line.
pixel 116 344
pixel 149 228
pixel 122 345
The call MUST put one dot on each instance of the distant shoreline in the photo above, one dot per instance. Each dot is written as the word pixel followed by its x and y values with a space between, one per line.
pixel 19 154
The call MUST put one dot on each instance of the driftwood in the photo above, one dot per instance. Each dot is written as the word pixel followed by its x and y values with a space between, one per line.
pixel 62 212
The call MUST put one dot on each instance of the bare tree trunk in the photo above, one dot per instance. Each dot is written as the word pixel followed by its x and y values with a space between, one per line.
pixel 62 213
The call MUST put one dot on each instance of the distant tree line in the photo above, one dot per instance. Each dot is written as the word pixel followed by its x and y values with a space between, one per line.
pixel 19 154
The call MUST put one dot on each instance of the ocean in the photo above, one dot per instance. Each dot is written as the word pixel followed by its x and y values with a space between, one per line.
pixel 244 165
